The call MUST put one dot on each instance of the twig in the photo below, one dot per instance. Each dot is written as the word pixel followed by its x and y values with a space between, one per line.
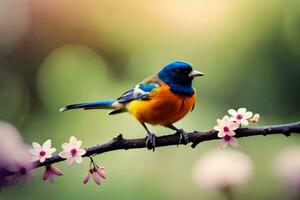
pixel 195 138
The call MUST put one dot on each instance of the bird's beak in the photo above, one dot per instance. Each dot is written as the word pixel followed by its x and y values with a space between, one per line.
pixel 195 73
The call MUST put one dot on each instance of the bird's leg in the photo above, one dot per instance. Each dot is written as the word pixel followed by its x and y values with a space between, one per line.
pixel 150 139
pixel 183 138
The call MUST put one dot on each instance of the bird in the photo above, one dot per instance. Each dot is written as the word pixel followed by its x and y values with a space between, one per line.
pixel 161 99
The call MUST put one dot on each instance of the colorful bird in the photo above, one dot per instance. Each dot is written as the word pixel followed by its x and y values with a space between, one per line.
pixel 161 99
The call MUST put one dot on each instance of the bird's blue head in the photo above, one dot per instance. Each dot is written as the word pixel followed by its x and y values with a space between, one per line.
pixel 179 76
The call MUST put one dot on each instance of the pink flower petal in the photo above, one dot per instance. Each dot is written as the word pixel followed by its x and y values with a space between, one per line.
pixel 78 159
pixel 226 119
pixel 34 152
pixel 51 178
pixel 86 177
pixel 234 125
pixel 234 142
pixel 223 143
pixel 81 152
pixel 47 144
pixel 219 121
pixel 221 134
pixel 42 159
pixel 73 141
pixel 56 171
pixel 52 150
pixel 244 122
pixel 242 110
pixel 78 144
pixel 46 174
pixel 51 172
pixel 70 161
pixel 64 154
pixel 66 146
pixel 101 172
pixel 230 133
pixel 48 155
pixel 232 112
pixel 36 146
pixel 248 114
pixel 96 177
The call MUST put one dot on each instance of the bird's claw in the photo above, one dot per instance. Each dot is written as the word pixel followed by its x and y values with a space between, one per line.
pixel 150 141
pixel 183 137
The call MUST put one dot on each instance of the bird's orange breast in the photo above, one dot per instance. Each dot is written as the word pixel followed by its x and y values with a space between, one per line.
pixel 163 107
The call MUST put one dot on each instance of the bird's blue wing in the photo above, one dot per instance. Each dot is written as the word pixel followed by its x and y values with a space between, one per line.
pixel 140 92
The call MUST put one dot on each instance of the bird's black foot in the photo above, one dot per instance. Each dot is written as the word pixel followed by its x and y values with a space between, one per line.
pixel 183 138
pixel 150 141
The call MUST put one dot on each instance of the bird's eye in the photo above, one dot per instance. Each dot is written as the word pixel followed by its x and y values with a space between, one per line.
pixel 178 70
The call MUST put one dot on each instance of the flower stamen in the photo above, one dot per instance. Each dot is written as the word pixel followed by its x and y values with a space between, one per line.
pixel 73 152
pixel 42 153
pixel 226 129
pixel 239 116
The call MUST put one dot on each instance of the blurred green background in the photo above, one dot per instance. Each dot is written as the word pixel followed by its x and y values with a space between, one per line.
pixel 58 52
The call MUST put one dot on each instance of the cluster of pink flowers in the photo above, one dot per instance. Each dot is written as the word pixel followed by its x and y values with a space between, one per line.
pixel 227 125
pixel 96 172
pixel 72 151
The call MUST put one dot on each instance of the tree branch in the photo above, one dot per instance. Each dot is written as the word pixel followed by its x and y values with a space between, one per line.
pixel 195 138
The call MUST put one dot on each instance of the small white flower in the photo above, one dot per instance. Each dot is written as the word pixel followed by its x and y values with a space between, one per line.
pixel 226 127
pixel 255 118
pixel 72 151
pixel 41 153
pixel 221 169
pixel 240 116
pixel 228 140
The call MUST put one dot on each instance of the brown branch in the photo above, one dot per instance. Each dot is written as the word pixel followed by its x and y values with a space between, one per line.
pixel 195 138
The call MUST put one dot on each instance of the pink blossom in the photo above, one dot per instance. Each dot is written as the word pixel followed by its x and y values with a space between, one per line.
pixel 226 127
pixel 101 172
pixel 97 178
pixel 41 153
pixel 255 118
pixel 51 172
pixel 72 151
pixel 240 116
pixel 86 177
pixel 228 140
pixel 97 173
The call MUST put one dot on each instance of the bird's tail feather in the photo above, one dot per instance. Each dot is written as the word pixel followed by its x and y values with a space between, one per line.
pixel 108 104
